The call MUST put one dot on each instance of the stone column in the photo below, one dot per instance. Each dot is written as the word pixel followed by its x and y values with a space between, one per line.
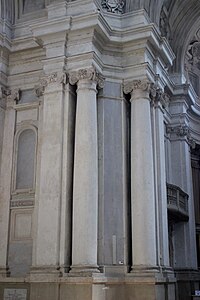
pixel 159 103
pixel 85 189
pixel 142 177
pixel 6 175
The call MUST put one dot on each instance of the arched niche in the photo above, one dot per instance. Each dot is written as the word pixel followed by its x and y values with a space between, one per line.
pixel 25 159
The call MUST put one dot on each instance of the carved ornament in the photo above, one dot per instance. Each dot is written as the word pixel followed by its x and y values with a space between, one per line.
pixel 12 96
pixel 157 95
pixel 22 203
pixel 88 74
pixel 182 131
pixel 53 78
pixel 113 6
pixel 143 85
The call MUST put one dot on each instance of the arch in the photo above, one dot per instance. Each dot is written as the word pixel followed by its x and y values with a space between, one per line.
pixel 184 20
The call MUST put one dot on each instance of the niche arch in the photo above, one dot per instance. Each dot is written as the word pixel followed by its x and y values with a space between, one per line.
pixel 24 162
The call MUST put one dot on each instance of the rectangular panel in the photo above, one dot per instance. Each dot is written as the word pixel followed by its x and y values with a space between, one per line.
pixel 15 294
pixel 21 225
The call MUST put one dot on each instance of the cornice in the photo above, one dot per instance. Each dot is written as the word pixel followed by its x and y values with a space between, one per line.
pixel 50 27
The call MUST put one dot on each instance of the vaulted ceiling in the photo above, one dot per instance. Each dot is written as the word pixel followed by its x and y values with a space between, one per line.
pixel 184 21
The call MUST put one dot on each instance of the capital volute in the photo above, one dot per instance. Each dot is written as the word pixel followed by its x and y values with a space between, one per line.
pixel 55 78
pixel 158 96
pixel 12 96
pixel 136 85
pixel 89 74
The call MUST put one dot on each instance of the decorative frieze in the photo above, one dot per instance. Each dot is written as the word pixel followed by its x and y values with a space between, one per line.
pixel 113 6
pixel 88 74
pixel 21 203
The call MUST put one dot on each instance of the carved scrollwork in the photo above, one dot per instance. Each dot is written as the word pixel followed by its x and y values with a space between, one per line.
pixel 88 74
pixel 12 96
pixel 143 85
pixel 114 6
pixel 53 78
pixel 182 131
pixel 157 95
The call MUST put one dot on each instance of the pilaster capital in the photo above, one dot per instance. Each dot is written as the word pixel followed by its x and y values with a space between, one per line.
pixel 182 131
pixel 54 78
pixel 158 96
pixel 131 86
pixel 89 74
pixel 12 96
pixel 3 96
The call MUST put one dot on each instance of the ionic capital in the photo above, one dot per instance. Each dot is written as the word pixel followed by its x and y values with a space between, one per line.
pixel 57 78
pixel 157 95
pixel 182 131
pixel 179 130
pixel 89 74
pixel 134 85
pixel 12 96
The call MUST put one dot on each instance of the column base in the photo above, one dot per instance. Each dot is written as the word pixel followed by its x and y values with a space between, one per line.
pixel 45 273
pixel 154 274
pixel 144 269
pixel 4 272
pixel 86 270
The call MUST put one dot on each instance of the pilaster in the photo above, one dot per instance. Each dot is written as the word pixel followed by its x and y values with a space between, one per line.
pixel 160 101
pixel 184 233
pixel 49 191
pixel 10 97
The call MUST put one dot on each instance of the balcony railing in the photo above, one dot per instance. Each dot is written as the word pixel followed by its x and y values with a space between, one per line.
pixel 177 203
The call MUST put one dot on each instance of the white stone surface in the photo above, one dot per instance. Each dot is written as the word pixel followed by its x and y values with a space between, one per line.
pixel 81 204
pixel 142 181
pixel 85 191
